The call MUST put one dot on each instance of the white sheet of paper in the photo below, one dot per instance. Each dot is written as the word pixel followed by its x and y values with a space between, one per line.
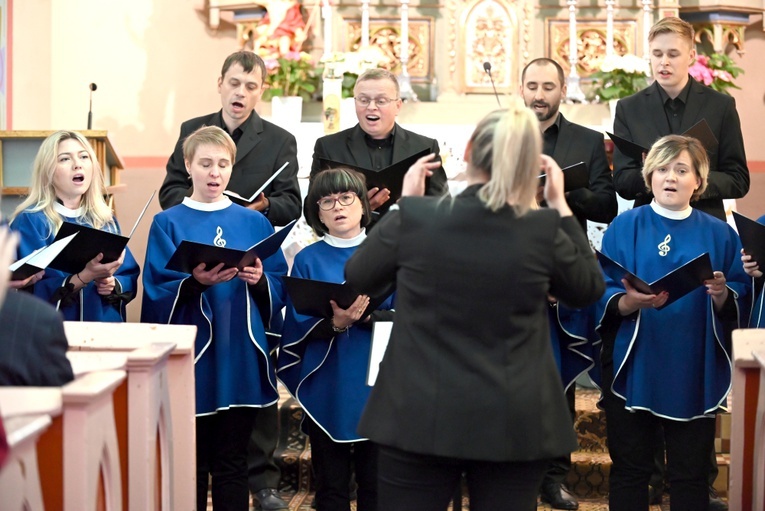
pixel 380 337
pixel 259 190
pixel 42 257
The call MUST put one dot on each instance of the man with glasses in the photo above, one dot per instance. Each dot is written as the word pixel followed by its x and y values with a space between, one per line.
pixel 377 142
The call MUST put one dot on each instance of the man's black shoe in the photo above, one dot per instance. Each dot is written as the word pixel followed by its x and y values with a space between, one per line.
pixel 269 500
pixel 655 495
pixel 715 502
pixel 558 497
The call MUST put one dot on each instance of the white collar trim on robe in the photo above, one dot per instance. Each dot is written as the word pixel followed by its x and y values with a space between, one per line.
pixel 345 243
pixel 69 213
pixel 207 206
pixel 668 213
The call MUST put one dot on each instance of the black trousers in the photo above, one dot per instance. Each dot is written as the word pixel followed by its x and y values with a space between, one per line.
pixel 334 464
pixel 631 442
pixel 264 437
pixel 558 468
pixel 416 482
pixel 221 452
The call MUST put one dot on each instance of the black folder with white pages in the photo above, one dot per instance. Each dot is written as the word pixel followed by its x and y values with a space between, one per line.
pixel 254 196
pixel 90 242
pixel 752 236
pixel 38 260
pixel 700 131
pixel 311 297
pixel 678 283
pixel 191 254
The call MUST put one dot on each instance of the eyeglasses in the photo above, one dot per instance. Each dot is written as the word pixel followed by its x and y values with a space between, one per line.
pixel 380 102
pixel 327 203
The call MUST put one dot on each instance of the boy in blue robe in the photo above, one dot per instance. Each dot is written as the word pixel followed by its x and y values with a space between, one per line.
pixel 235 311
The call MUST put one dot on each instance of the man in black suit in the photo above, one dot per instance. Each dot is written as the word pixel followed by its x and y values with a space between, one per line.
pixel 261 148
pixel 543 88
pixel 377 141
pixel 671 105
pixel 33 344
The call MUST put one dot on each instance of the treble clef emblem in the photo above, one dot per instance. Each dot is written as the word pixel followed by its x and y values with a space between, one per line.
pixel 219 241
pixel 664 246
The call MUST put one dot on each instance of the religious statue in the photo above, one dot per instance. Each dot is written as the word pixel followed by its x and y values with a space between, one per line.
pixel 281 30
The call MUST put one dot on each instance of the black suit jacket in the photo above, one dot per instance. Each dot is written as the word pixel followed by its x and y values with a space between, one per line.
pixel 263 148
pixel 32 343
pixel 641 119
pixel 470 346
pixel 349 146
pixel 576 143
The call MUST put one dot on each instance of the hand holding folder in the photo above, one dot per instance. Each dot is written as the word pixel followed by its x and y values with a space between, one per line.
pixel 752 236
pixel 191 254
pixel 89 243
pixel 254 196
pixel 311 297
pixel 391 177
pixel 678 283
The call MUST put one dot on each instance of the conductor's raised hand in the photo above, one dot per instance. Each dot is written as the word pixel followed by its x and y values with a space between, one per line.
pixel 414 179
pixel 377 197
pixel 215 275
pixel 555 194
pixel 251 274
pixel 343 318
pixel 750 265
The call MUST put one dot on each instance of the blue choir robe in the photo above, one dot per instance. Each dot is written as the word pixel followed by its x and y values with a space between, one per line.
pixel 757 315
pixel 674 362
pixel 576 345
pixel 327 376
pixel 233 364
pixel 86 305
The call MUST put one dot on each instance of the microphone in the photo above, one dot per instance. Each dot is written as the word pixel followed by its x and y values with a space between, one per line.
pixel 487 68
pixel 92 87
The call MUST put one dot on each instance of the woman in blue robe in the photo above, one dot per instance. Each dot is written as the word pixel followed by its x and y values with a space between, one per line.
pixel 668 367
pixel 757 314
pixel 68 186
pixel 235 312
pixel 323 361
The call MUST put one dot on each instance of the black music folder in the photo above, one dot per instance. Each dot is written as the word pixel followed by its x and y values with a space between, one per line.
pixel 40 259
pixel 575 176
pixel 678 283
pixel 254 196
pixel 391 177
pixel 90 242
pixel 752 236
pixel 700 131
pixel 311 297
pixel 190 254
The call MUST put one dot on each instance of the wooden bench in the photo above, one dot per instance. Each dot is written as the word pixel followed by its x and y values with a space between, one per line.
pixel 77 455
pixel 128 337
pixel 20 477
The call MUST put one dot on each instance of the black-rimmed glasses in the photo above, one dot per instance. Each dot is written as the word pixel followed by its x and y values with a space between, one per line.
pixel 345 199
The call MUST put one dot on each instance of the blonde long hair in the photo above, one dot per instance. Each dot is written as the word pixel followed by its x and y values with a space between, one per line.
pixel 506 146
pixel 42 194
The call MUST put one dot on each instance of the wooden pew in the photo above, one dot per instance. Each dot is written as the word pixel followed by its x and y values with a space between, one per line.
pixel 746 392
pixel 144 417
pixel 20 477
pixel 759 439
pixel 127 337
pixel 78 455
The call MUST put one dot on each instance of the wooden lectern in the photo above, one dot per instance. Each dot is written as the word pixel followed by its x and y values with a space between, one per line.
pixel 18 149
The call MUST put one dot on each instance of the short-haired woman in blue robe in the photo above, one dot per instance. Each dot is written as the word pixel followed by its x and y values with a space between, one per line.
pixel 234 311
pixel 323 362
pixel 757 314
pixel 68 186
pixel 668 368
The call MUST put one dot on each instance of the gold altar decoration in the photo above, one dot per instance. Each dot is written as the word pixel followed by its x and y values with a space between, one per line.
pixel 591 46
pixel 494 31
pixel 385 34
pixel 721 35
